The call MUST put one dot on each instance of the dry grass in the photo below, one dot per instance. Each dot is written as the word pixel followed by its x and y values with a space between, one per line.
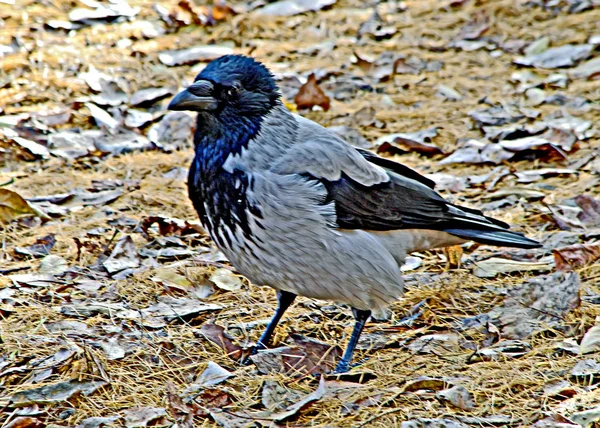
pixel 176 353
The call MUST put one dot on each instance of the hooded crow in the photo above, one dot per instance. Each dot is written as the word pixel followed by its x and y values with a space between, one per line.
pixel 295 207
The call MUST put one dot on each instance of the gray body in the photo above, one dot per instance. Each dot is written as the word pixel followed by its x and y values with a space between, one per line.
pixel 298 246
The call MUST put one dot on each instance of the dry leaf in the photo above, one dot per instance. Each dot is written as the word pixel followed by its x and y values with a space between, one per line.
pixel 310 95
pixel 537 304
pixel 591 340
pixel 144 416
pixel 56 393
pixel 568 258
pixel 293 7
pixel 24 422
pixel 13 206
pixel 212 375
pixel 458 396
pixel 217 335
pixel 226 280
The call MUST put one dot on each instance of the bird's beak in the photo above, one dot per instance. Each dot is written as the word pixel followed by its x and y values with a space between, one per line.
pixel 197 97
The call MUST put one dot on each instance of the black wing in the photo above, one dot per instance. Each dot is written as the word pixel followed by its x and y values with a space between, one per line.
pixel 408 201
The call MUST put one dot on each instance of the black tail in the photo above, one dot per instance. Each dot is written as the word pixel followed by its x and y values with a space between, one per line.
pixel 472 224
pixel 501 238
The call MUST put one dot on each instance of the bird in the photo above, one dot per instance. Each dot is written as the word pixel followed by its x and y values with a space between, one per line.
pixel 295 207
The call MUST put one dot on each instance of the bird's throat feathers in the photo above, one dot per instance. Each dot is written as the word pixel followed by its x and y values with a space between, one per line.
pixel 218 137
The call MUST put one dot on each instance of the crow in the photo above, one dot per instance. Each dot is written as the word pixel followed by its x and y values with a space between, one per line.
pixel 295 207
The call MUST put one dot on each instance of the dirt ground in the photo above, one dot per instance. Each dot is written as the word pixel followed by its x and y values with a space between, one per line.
pixel 151 373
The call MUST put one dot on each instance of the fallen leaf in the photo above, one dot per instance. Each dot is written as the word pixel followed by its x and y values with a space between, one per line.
pixel 217 335
pixel 587 70
pixel 458 396
pixel 144 416
pixel 537 304
pixel 102 13
pixel 53 265
pixel 177 308
pixel 376 27
pixel 307 357
pixel 490 268
pixel 591 340
pixel 148 96
pixel 433 423
pixel 502 350
pixel 310 95
pixel 537 46
pixel 476 27
pixel 449 93
pixel 426 383
pixel 562 56
pixel 193 55
pixel 24 422
pixel 102 117
pixel 293 409
pixel 226 280
pixel 587 418
pixel 13 206
pixel 439 343
pixel 276 397
pixel 559 389
pixel 293 7
pixel 98 421
pixel 475 152
pixel 124 256
pixel 173 131
pixel 171 226
pixel 568 258
pixel 56 393
pixel 41 247
pixel 137 118
pixel 212 375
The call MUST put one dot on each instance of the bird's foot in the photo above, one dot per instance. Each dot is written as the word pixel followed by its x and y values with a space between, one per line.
pixel 345 367
pixel 247 360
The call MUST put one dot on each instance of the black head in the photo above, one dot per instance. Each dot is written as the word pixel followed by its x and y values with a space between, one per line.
pixel 231 84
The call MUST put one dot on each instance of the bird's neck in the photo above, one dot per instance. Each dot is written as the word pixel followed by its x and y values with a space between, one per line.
pixel 217 138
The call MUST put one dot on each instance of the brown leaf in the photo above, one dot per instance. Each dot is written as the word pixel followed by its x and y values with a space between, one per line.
pixel 24 422
pixel 177 409
pixel 419 142
pixel 567 258
pixel 13 206
pixel 310 95
pixel 41 247
pixel 590 207
pixel 171 226
pixel 309 356
pixel 216 334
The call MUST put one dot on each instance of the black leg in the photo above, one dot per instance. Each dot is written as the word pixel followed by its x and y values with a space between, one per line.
pixel 361 317
pixel 285 299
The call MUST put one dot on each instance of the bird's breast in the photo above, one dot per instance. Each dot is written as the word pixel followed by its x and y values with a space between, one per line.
pixel 221 200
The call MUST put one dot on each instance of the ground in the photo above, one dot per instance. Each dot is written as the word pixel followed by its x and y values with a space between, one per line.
pixel 129 321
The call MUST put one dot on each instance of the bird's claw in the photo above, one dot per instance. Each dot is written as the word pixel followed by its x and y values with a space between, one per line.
pixel 247 360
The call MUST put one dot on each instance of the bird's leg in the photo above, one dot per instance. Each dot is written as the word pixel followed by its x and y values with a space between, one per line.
pixel 285 299
pixel 361 317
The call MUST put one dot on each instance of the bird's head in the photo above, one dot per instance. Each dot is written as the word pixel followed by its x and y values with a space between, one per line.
pixel 232 85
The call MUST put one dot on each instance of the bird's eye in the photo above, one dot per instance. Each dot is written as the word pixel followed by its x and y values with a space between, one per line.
pixel 233 90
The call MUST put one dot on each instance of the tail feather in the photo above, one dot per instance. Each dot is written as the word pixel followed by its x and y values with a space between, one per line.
pixel 501 238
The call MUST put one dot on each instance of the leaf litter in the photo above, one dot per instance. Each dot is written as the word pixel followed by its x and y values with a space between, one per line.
pixel 132 306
